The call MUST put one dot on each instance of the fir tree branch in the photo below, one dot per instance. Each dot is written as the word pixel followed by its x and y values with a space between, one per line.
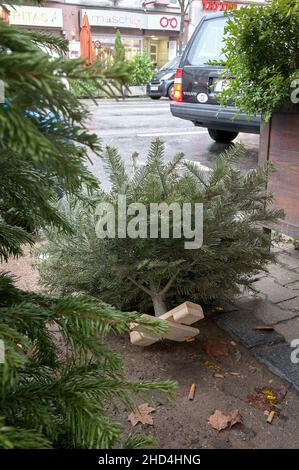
pixel 141 287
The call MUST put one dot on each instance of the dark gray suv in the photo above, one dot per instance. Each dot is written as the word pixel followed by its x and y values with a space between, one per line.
pixel 162 82
pixel 198 84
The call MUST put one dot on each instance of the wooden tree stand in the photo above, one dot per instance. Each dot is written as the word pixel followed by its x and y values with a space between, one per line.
pixel 178 321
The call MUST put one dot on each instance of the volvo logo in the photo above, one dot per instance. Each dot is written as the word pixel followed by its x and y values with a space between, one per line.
pixel 202 97
pixel 168 22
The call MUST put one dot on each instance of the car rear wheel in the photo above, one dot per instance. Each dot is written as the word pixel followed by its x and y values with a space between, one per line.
pixel 170 92
pixel 222 136
pixel 155 97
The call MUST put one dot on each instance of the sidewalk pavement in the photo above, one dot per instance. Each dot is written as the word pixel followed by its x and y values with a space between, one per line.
pixel 275 304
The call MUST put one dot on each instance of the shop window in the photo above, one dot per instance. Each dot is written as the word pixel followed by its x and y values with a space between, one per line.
pixel 103 46
pixel 154 53
pixel 158 50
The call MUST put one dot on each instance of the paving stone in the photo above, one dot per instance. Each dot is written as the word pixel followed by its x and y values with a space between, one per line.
pixel 277 248
pixel 266 311
pixel 282 275
pixel 289 248
pixel 292 304
pixel 294 285
pixel 229 307
pixel 260 275
pixel 278 359
pixel 243 302
pixel 289 329
pixel 277 304
pixel 290 260
pixel 273 291
pixel 249 303
pixel 240 325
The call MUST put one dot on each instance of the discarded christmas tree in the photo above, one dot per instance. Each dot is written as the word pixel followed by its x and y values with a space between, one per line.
pixel 157 272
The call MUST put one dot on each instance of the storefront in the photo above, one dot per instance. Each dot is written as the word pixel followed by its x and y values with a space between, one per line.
pixel 46 19
pixel 54 18
pixel 157 33
pixel 200 8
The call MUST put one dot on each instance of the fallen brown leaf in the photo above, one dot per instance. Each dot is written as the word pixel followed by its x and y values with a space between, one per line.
pixel 235 418
pixel 141 414
pixel 220 421
pixel 216 348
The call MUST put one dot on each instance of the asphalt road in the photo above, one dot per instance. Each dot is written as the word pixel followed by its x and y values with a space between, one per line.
pixel 132 124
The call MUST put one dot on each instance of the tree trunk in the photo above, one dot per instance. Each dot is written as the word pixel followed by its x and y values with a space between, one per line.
pixel 160 306
pixel 181 33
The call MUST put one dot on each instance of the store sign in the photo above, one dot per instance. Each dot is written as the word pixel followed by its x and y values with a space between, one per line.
pixel 74 49
pixel 164 22
pixel 217 5
pixel 116 18
pixel 36 16
pixel 124 19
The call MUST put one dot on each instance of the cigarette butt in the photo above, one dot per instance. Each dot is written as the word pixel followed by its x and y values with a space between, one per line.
pixel 219 376
pixel 270 417
pixel 263 328
pixel 192 392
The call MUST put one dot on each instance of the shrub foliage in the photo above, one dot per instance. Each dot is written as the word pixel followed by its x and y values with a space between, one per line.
pixel 262 56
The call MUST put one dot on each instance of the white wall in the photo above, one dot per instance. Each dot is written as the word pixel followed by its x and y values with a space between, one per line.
pixel 173 6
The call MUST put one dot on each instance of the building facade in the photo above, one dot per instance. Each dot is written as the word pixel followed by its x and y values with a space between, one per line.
pixel 200 8
pixel 145 25
pixel 151 25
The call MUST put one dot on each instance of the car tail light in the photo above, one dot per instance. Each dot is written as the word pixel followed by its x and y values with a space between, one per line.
pixel 178 86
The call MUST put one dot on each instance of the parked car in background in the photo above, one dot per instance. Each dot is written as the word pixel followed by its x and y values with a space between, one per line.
pixel 162 83
pixel 198 84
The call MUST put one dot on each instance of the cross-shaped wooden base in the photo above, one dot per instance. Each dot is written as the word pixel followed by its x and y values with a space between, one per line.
pixel 178 321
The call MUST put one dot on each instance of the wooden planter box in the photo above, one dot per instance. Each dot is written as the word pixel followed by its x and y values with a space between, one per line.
pixel 280 144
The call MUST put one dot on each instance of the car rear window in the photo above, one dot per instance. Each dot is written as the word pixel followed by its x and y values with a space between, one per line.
pixel 208 42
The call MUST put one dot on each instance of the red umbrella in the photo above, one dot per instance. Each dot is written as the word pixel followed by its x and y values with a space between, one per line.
pixel 4 15
pixel 86 41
